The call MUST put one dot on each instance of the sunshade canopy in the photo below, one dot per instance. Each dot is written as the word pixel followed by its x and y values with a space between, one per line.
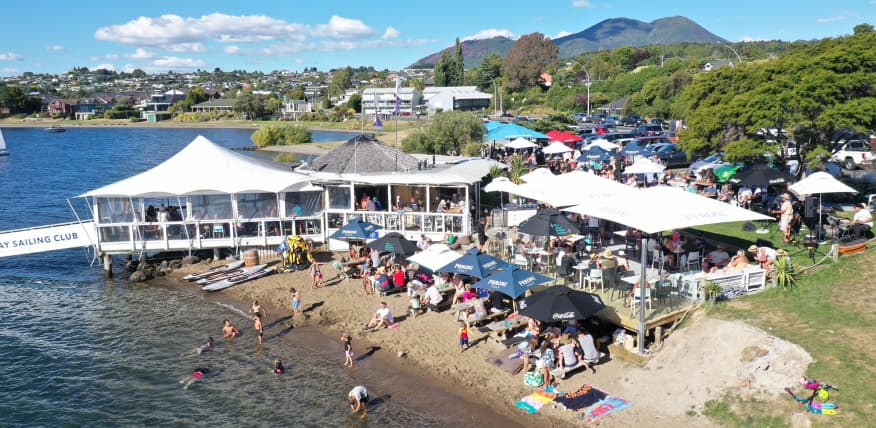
pixel 761 175
pixel 510 131
pixel 595 153
pixel 537 175
pixel 644 166
pixel 548 222
pixel 602 144
pixel 563 137
pixel 435 257
pixel 561 303
pixel 512 282
pixel 393 242
pixel 520 143
pixel 820 182
pixel 475 264
pixel 204 167
pixel 634 149
pixel 555 148
pixel 355 229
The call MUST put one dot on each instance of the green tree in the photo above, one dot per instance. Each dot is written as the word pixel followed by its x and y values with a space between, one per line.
pixel 459 66
pixel 253 106
pixel 342 79
pixel 280 134
pixel 355 102
pixel 447 132
pixel 444 69
pixel 527 59
pixel 487 71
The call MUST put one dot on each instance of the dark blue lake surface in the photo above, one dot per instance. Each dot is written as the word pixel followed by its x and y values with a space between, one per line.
pixel 76 349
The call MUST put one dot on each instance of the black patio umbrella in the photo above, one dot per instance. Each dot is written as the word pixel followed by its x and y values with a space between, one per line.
pixel 561 303
pixel 762 176
pixel 355 229
pixel 395 243
pixel 476 264
pixel 548 222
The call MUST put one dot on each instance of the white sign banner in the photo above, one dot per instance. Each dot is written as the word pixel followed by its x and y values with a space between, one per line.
pixel 47 238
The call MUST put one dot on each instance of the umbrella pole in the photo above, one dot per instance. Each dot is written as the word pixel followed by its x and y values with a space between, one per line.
pixel 642 281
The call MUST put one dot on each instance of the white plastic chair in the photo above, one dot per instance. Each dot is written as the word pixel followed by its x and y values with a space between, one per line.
pixel 693 261
pixel 636 300
pixel 595 277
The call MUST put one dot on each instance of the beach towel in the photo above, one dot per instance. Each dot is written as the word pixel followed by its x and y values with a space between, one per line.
pixel 604 408
pixel 586 396
pixel 502 361
pixel 533 402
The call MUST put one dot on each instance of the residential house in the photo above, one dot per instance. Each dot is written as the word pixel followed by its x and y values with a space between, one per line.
pixel 718 63
pixel 382 101
pixel 293 110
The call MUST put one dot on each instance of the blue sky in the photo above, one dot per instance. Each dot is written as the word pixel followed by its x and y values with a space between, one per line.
pixel 183 35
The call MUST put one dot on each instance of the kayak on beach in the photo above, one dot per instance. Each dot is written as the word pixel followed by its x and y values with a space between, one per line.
pixel 215 270
pixel 251 273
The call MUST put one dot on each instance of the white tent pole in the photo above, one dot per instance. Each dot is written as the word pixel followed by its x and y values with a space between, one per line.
pixel 642 281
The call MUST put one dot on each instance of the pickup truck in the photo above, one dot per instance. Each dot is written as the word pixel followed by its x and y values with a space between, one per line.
pixel 853 154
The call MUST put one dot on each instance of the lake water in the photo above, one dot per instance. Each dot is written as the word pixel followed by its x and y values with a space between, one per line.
pixel 76 349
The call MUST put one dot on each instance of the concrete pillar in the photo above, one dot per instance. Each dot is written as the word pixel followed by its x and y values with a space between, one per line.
pixel 108 265
pixel 216 254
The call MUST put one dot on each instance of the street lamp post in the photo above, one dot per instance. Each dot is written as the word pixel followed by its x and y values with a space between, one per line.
pixel 587 83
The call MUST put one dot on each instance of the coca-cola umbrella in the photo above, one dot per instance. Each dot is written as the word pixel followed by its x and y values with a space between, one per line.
pixel 548 222
pixel 561 303
pixel 762 175
pixel 512 282
pixel 473 263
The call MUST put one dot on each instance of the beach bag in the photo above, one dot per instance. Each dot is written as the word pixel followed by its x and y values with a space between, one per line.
pixel 425 279
pixel 533 378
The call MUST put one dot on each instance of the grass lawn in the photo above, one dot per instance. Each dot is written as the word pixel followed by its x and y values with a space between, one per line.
pixel 832 314
pixel 733 235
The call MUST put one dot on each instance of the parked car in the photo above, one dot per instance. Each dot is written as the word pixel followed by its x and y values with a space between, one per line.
pixel 708 162
pixel 611 121
pixel 672 156
pixel 581 117
pixel 853 154
pixel 649 141
pixel 632 120
pixel 671 136
pixel 659 122
pixel 647 130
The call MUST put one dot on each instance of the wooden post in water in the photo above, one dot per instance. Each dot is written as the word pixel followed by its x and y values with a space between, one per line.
pixel 108 265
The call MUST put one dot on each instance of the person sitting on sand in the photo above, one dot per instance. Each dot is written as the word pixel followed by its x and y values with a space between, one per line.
pixel 569 354
pixel 358 400
pixel 382 318
pixel 432 298
pixel 229 331
pixel 206 346
pixel 589 353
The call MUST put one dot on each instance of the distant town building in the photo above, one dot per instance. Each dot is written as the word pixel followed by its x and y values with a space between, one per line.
pixel 455 98
pixel 718 63
pixel 222 104
pixel 293 110
pixel 382 101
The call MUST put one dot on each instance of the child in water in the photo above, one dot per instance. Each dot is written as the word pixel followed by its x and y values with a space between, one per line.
pixel 278 367
pixel 198 374
pixel 348 350
pixel 206 346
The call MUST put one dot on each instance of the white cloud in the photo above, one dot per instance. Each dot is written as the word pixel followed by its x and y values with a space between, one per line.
pixel 169 29
pixel 828 20
pixel 176 62
pixel 581 3
pixel 490 33
pixel 299 61
pixel 10 56
pixel 232 50
pixel 186 47
pixel 140 53
pixel 111 56
pixel 390 33
pixel 55 48
pixel 343 28
pixel 109 67
pixel 563 33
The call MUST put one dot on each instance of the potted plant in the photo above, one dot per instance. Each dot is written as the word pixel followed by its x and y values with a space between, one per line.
pixel 786 277
pixel 711 290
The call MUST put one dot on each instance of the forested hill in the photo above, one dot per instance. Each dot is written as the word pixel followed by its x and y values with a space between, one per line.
pixel 812 91
pixel 606 35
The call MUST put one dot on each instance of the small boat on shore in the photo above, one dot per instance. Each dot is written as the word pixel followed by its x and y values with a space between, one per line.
pixel 254 272
pixel 3 151
pixel 227 274
pixel 213 271
pixel 54 129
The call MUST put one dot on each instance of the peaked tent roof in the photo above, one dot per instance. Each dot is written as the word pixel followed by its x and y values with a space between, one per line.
pixel 563 137
pixel 510 131
pixel 204 167
pixel 364 154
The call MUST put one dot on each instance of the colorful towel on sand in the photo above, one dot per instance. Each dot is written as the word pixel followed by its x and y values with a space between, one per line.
pixel 533 402
pixel 584 397
pixel 604 408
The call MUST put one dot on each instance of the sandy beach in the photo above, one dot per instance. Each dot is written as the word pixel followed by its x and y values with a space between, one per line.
pixel 669 391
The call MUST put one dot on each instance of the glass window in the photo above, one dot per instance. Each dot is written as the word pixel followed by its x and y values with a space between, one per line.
pixel 115 234
pixel 300 204
pixel 115 210
pixel 339 197
pixel 211 206
pixel 256 205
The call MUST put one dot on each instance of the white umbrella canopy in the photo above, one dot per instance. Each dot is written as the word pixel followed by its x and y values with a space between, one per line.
pixel 556 148
pixel 644 166
pixel 601 143
pixel 558 189
pixel 501 184
pixel 520 143
pixel 435 257
pixel 538 175
pixel 662 208
pixel 820 182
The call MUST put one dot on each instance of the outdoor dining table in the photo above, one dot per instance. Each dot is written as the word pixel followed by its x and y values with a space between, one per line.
pixel 500 327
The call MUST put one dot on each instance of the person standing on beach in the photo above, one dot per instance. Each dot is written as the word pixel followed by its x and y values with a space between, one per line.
pixel 463 337
pixel 358 399
pixel 316 274
pixel 259 326
pixel 296 304
pixel 258 310
pixel 348 350
pixel 229 331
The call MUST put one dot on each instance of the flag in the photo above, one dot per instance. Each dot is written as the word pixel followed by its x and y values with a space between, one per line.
pixel 377 123
pixel 397 96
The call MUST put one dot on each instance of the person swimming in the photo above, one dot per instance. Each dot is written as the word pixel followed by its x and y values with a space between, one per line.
pixel 198 374
pixel 206 346
pixel 278 367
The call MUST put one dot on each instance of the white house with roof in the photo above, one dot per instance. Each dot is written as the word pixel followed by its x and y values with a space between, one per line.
pixel 455 98
pixel 382 101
